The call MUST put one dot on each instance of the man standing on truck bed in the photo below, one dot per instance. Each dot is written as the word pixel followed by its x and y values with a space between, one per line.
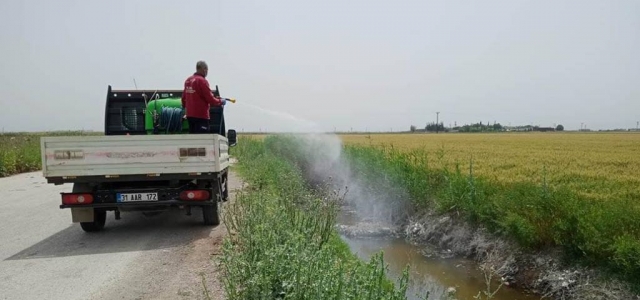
pixel 197 98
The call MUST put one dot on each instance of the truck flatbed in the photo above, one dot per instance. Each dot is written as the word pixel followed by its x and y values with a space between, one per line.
pixel 133 157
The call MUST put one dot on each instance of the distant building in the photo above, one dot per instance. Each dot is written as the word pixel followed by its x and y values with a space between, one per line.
pixel 517 128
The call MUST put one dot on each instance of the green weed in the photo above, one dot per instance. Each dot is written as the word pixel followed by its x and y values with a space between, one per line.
pixel 282 243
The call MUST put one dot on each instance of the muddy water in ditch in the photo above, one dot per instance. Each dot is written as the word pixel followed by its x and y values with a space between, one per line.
pixel 428 272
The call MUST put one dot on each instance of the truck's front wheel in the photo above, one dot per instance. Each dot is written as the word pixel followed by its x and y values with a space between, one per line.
pixel 99 219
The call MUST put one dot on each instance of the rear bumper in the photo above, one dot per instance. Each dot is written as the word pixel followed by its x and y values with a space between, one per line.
pixel 108 199
pixel 141 204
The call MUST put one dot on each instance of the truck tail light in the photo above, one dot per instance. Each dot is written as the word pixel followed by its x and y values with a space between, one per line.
pixel 73 199
pixel 194 195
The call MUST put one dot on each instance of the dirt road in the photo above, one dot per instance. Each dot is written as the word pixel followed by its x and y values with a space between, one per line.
pixel 45 256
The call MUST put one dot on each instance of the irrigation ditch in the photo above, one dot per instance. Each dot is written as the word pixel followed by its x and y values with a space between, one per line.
pixel 447 257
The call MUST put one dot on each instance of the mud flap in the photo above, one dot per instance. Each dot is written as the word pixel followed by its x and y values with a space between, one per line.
pixel 82 214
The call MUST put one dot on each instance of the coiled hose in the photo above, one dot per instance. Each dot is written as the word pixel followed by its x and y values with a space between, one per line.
pixel 171 119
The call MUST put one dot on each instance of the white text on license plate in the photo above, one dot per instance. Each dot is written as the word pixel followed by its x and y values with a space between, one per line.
pixel 137 197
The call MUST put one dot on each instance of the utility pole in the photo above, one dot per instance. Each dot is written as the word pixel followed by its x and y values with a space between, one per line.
pixel 637 125
pixel 437 118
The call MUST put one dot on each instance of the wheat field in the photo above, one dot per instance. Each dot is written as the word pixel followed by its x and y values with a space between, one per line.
pixel 597 165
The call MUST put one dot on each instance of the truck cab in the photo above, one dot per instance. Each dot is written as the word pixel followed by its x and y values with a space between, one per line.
pixel 145 161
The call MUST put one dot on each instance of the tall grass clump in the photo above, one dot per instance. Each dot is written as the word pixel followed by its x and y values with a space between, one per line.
pixel 282 243
pixel 535 214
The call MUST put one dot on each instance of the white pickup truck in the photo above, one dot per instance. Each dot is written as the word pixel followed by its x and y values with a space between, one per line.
pixel 143 162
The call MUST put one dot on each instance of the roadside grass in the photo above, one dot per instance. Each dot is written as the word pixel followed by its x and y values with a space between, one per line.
pixel 20 152
pixel 282 242
pixel 537 215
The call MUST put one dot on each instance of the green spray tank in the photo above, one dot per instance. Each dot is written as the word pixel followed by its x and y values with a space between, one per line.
pixel 165 116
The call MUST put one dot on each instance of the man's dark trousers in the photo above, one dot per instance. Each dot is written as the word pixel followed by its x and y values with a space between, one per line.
pixel 198 125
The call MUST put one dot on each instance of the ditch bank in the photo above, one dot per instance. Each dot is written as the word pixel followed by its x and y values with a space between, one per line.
pixel 543 273
pixel 450 258
pixel 436 272
pixel 385 213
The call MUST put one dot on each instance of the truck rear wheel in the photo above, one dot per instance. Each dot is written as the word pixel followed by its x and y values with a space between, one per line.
pixel 211 215
pixel 99 219
pixel 99 216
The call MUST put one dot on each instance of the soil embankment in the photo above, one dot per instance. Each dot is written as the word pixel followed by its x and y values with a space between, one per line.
pixel 443 242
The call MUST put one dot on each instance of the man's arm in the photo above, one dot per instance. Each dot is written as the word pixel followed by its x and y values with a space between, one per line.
pixel 205 91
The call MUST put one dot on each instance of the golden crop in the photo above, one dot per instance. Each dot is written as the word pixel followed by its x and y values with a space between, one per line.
pixel 599 165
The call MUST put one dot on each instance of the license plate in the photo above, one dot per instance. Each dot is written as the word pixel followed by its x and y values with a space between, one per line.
pixel 132 197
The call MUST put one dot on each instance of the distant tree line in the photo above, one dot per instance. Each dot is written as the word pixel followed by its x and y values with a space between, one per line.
pixel 482 127
pixel 433 127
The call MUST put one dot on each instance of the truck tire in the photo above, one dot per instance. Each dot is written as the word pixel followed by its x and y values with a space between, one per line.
pixel 99 216
pixel 211 215
pixel 99 219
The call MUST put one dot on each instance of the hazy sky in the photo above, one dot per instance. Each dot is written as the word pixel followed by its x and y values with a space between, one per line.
pixel 374 65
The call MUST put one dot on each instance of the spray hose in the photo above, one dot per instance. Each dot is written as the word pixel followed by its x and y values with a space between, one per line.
pixel 171 119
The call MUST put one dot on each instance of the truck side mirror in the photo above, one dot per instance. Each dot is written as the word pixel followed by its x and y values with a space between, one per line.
pixel 231 136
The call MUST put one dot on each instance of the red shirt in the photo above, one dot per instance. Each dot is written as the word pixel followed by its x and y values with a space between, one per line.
pixel 197 97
